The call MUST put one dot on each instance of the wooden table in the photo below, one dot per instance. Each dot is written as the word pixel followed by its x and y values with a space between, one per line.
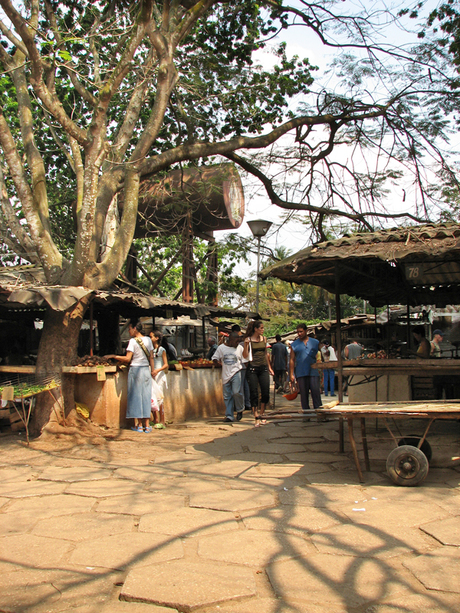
pixel 405 470
pixel 375 366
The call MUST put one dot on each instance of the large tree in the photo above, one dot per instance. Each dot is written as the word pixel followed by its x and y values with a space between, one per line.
pixel 97 96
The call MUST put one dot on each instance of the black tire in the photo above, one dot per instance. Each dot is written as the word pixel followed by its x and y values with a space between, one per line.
pixel 413 440
pixel 407 465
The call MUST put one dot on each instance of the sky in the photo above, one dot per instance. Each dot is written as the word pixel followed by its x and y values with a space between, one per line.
pixel 292 235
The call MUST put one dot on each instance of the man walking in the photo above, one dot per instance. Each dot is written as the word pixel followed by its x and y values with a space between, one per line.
pixel 279 363
pixel 303 354
pixel 230 356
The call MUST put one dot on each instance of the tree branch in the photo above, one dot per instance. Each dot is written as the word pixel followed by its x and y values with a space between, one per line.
pixel 11 226
pixel 51 103
pixel 49 255
pixel 204 149
pixel 103 274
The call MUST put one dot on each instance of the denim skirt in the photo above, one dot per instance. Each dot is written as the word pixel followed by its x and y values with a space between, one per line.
pixel 139 392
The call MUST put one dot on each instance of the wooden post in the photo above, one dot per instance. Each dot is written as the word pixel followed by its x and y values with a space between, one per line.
pixel 91 340
pixel 338 316
pixel 203 332
pixel 212 275
pixel 354 449
pixel 187 264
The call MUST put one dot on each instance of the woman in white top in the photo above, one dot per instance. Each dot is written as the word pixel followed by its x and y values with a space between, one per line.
pixel 139 357
pixel 328 354
pixel 160 360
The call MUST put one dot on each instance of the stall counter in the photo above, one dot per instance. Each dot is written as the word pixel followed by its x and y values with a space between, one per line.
pixel 389 379
pixel 191 394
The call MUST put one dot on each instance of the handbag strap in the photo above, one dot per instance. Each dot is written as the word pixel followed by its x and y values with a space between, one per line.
pixel 140 342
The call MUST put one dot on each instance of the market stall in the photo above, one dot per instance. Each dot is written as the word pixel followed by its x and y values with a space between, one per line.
pixel 102 388
pixel 415 266
pixel 192 393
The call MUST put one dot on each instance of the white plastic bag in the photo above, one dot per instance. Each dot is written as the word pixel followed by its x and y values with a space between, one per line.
pixel 157 396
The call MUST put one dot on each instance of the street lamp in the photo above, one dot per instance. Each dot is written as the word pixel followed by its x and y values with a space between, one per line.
pixel 259 229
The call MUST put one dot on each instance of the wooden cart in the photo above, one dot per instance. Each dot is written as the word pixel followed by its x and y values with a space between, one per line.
pixel 408 463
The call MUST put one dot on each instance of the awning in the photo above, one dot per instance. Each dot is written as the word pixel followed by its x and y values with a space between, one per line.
pixel 24 288
pixel 416 266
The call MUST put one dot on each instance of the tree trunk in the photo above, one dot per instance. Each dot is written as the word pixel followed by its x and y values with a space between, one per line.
pixel 58 348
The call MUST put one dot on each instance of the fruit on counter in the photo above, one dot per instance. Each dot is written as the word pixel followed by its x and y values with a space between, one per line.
pixel 380 355
pixel 197 363
pixel 91 360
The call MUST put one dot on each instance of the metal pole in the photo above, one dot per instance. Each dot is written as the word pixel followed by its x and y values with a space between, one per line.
pixel 258 268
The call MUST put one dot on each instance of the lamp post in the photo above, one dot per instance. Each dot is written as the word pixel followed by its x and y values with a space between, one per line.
pixel 259 229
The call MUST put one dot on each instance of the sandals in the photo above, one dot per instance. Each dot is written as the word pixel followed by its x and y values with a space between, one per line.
pixel 137 428
pixel 259 421
pixel 148 429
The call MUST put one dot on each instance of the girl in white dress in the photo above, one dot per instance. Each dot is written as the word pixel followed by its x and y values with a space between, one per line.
pixel 159 382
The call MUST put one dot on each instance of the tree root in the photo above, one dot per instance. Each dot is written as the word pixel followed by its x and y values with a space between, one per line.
pixel 73 426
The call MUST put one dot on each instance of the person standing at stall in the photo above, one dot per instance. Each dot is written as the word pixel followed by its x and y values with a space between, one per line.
pixel 230 356
pixel 352 351
pixel 436 350
pixel 160 362
pixel 424 347
pixel 171 351
pixel 139 358
pixel 258 370
pixel 303 354
pixel 212 347
pixel 328 355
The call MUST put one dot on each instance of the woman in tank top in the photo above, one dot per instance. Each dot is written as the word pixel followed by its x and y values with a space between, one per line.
pixel 258 369
pixel 139 357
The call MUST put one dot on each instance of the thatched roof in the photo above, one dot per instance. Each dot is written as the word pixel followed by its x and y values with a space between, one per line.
pixel 415 265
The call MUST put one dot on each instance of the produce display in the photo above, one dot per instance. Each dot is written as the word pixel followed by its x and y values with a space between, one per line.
pixel 91 360
pixel 198 363
pixel 381 355
pixel 25 390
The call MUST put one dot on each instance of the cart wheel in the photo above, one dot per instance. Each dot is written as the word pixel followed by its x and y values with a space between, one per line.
pixel 413 440
pixel 407 465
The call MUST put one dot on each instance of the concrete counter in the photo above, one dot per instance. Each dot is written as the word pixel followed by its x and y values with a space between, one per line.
pixel 190 394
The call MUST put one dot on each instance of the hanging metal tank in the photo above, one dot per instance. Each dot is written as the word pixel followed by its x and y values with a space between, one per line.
pixel 205 199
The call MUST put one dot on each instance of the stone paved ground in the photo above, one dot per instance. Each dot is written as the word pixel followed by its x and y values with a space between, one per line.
pixel 211 517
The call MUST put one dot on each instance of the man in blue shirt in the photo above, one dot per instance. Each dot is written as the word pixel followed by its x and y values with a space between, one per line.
pixel 303 354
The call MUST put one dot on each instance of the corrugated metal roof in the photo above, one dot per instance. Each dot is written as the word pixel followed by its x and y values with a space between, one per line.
pixel 419 265
pixel 25 287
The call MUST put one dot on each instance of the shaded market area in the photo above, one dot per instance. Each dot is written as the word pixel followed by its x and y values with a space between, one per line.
pixel 188 203
pixel 211 517
pixel 416 267
pixel 102 389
